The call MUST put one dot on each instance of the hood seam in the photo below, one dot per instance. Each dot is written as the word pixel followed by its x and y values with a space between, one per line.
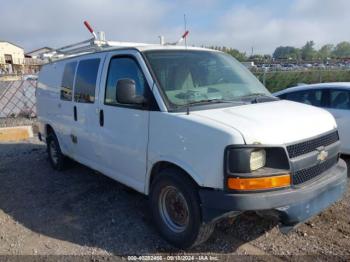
pixel 222 123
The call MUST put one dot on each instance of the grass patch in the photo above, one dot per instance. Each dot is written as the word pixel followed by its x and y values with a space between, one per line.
pixel 276 81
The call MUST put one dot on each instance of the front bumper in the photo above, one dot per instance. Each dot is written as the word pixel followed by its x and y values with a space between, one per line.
pixel 295 205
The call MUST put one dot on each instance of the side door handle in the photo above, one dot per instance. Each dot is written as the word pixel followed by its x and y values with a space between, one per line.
pixel 75 113
pixel 102 118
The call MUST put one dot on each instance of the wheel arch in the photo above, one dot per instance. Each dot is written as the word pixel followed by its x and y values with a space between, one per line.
pixel 163 164
pixel 48 130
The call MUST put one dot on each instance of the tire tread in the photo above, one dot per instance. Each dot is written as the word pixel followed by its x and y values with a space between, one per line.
pixel 204 230
pixel 62 159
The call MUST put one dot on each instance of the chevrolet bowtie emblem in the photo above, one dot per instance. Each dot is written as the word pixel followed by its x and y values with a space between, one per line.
pixel 322 156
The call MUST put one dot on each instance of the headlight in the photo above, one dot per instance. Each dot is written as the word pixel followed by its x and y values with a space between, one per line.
pixel 256 168
pixel 246 159
pixel 257 159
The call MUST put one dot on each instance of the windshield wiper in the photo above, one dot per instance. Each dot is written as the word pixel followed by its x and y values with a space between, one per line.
pixel 208 101
pixel 258 97
pixel 254 95
pixel 215 100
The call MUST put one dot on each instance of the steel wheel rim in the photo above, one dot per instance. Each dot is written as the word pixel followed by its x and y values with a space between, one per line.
pixel 53 152
pixel 173 209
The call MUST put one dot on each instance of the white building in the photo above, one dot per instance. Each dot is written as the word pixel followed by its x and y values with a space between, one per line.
pixel 34 60
pixel 11 57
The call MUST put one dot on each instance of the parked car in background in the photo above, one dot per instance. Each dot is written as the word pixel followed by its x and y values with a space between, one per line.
pixel 307 65
pixel 334 97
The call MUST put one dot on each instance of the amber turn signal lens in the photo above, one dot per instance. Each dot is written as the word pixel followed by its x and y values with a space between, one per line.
pixel 258 183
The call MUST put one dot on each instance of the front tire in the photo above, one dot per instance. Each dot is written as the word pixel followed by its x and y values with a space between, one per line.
pixel 56 158
pixel 176 209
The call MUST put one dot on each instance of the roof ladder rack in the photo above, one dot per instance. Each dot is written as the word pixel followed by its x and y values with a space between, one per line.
pixel 97 43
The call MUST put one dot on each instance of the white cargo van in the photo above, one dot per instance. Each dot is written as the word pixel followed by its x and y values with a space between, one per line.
pixel 195 131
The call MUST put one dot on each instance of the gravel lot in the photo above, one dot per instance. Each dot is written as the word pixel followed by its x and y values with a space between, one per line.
pixel 81 212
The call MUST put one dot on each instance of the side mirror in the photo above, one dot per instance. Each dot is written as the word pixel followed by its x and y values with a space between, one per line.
pixel 126 93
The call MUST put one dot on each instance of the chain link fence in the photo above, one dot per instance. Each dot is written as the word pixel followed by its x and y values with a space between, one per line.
pixel 17 99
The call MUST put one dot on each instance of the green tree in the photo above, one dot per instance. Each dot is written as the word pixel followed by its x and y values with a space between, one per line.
pixel 342 50
pixel 231 51
pixel 257 57
pixel 326 51
pixel 267 57
pixel 308 51
pixel 286 52
pixel 236 54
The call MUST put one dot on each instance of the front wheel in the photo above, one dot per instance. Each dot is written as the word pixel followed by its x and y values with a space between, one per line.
pixel 56 158
pixel 176 209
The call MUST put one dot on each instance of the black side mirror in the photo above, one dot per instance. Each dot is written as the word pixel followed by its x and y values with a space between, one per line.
pixel 126 93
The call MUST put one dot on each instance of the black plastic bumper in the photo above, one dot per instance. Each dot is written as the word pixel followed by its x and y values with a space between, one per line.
pixel 295 205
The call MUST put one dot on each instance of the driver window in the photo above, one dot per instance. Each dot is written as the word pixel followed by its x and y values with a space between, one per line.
pixel 121 68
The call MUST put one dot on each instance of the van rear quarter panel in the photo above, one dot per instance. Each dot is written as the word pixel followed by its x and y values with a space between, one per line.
pixel 191 142
pixel 50 109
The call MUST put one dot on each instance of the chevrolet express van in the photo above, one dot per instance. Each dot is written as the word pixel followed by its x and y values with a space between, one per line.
pixel 193 130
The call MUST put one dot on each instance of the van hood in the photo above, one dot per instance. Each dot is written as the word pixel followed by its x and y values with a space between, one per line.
pixel 273 123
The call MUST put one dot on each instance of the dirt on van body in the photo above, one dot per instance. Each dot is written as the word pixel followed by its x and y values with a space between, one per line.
pixel 81 212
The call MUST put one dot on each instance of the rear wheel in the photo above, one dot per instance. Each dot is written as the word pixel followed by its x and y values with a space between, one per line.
pixel 56 158
pixel 176 209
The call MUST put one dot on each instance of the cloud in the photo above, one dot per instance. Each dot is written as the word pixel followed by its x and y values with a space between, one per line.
pixel 263 25
pixel 55 23
pixel 265 28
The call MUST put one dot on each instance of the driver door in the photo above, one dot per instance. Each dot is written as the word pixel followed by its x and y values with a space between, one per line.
pixel 123 129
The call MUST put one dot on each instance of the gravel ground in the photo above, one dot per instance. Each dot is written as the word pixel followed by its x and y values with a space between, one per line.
pixel 81 212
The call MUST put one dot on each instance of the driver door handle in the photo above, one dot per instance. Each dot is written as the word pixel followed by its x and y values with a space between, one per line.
pixel 101 117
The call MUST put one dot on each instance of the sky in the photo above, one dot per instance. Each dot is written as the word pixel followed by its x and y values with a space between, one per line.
pixel 261 25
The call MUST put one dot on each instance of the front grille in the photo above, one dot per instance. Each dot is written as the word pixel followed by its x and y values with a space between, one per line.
pixel 307 174
pixel 311 145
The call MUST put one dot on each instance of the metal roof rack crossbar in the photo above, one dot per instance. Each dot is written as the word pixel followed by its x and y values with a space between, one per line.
pixel 97 43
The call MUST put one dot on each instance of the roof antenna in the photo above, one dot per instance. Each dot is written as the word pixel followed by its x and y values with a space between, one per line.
pixel 184 37
pixel 186 32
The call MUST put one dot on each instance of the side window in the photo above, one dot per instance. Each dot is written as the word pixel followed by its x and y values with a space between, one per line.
pixel 339 99
pixel 67 81
pixel 121 68
pixel 283 96
pixel 310 97
pixel 296 96
pixel 85 82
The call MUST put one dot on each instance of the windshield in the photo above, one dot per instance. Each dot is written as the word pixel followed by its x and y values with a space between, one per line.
pixel 189 77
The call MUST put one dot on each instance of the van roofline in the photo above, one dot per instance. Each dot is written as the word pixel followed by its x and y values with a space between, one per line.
pixel 139 48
